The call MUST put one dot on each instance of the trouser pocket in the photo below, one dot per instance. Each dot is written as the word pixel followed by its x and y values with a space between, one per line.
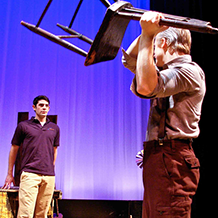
pixel 183 170
pixel 179 207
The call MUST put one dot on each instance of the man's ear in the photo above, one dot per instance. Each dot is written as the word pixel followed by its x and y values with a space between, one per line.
pixel 163 44
pixel 34 108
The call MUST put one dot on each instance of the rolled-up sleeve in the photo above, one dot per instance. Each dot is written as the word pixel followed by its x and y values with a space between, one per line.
pixel 183 77
pixel 129 62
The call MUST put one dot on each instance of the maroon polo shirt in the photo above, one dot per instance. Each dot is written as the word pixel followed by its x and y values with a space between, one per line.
pixel 38 145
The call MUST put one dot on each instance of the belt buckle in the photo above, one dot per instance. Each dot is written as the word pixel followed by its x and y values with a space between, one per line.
pixel 160 141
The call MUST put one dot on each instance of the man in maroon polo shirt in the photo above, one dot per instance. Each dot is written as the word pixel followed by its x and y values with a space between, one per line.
pixel 40 139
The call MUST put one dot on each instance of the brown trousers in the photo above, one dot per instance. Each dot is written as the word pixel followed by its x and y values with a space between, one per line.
pixel 170 177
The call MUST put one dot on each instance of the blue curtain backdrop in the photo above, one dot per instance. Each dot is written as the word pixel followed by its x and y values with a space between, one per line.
pixel 102 123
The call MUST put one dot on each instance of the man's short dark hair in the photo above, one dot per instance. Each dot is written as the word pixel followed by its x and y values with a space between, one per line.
pixel 40 97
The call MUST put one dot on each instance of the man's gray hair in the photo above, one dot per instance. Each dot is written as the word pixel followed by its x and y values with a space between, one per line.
pixel 178 39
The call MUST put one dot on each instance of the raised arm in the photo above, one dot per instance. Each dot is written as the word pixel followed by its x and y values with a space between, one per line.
pixel 133 48
pixel 146 74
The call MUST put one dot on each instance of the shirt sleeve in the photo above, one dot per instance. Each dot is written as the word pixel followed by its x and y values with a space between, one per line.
pixel 18 135
pixel 129 62
pixel 185 78
pixel 57 138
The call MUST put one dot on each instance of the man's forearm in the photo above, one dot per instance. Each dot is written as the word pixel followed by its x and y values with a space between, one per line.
pixel 55 154
pixel 146 74
pixel 12 158
pixel 133 48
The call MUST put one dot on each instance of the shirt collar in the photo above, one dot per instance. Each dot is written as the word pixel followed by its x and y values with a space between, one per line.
pixel 37 121
pixel 179 60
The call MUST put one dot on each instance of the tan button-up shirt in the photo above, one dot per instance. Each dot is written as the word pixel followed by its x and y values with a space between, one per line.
pixel 183 81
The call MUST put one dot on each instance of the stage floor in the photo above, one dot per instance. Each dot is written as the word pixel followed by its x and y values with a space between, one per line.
pixel 100 208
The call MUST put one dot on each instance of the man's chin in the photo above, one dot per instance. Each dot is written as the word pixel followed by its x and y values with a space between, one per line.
pixel 43 115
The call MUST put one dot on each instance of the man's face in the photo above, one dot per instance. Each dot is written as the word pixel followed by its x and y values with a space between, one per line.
pixel 42 108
